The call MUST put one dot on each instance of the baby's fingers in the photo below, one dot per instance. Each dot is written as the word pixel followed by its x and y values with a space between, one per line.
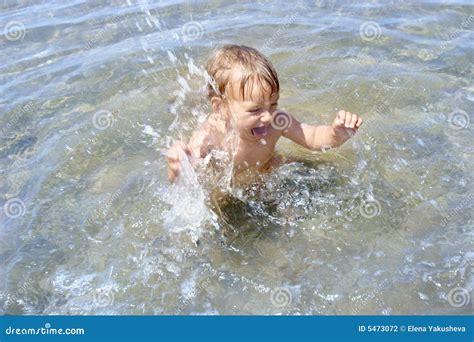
pixel 185 148
pixel 347 121
pixel 172 156
pixel 359 122
pixel 172 175
pixel 173 170
pixel 340 118
pixel 175 151
pixel 353 121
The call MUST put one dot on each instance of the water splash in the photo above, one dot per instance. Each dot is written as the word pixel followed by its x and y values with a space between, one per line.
pixel 188 199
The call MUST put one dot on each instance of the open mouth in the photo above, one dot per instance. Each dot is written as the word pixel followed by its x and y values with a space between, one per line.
pixel 259 132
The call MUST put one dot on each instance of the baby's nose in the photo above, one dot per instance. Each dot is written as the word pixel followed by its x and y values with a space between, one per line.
pixel 266 117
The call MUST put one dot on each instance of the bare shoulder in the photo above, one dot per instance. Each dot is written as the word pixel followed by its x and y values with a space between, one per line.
pixel 207 137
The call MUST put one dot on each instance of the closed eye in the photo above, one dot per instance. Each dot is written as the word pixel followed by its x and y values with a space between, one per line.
pixel 258 110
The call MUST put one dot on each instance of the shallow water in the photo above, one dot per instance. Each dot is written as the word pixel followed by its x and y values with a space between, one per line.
pixel 92 95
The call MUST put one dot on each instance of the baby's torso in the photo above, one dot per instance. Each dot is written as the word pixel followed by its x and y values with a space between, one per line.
pixel 257 154
pixel 245 155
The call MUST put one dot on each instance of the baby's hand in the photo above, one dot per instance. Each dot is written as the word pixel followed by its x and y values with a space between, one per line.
pixel 174 161
pixel 345 125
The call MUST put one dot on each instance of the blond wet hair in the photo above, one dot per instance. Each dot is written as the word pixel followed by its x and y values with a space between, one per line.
pixel 239 67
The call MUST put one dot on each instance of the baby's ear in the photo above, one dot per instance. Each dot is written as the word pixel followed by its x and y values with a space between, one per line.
pixel 216 103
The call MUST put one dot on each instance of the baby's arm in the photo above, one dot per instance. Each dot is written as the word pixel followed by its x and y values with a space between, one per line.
pixel 345 125
pixel 174 159
pixel 198 147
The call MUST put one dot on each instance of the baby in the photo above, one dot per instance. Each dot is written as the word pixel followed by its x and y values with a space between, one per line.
pixel 245 119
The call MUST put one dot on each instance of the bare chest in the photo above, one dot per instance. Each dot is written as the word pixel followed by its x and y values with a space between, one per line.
pixel 256 154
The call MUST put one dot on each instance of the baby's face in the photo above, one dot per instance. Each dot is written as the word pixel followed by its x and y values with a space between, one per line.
pixel 252 116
